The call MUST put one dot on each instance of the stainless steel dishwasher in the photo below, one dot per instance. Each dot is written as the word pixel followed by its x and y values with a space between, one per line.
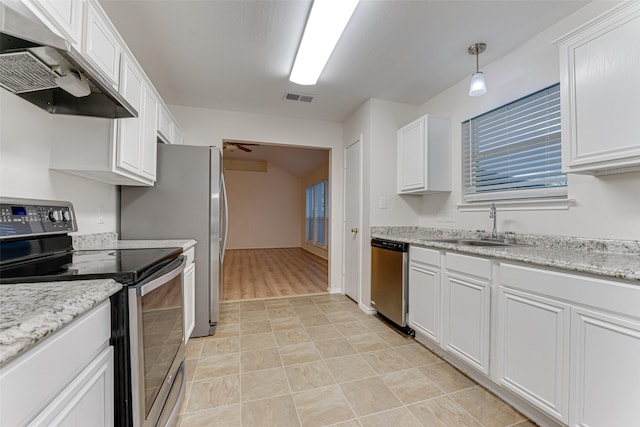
pixel 389 280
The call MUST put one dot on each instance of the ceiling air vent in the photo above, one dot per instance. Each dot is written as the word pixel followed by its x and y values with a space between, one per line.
pixel 298 97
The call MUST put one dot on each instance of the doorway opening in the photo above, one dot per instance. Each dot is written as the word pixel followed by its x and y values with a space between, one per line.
pixel 270 252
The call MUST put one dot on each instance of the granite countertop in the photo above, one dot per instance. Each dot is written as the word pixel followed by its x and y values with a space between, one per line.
pixel 110 241
pixel 604 257
pixel 30 312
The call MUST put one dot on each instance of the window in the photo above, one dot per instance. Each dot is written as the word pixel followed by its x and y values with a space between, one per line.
pixel 513 152
pixel 317 213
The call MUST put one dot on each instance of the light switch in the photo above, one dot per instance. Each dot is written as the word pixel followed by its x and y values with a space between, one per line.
pixel 383 202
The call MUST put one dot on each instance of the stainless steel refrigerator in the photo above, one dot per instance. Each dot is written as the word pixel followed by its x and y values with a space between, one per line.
pixel 188 201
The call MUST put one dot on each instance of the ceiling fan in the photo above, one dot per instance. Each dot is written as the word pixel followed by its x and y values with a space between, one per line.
pixel 230 146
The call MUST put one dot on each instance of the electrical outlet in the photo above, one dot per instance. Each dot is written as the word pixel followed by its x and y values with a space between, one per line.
pixel 101 215
pixel 383 203
pixel 445 216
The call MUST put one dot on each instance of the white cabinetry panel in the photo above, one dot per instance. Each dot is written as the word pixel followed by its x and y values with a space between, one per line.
pixel 189 300
pixel 100 44
pixel 424 292
pixel 88 400
pixel 424 156
pixel 62 16
pixel 599 68
pixel 532 349
pixel 605 386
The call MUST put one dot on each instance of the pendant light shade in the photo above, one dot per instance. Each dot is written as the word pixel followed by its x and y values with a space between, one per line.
pixel 478 86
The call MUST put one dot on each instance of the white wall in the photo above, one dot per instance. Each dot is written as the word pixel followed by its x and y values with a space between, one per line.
pixel 260 217
pixel 25 142
pixel 376 123
pixel 605 207
pixel 209 127
pixel 321 173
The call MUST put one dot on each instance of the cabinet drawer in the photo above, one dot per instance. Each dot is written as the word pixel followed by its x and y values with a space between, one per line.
pixel 469 265
pixel 618 297
pixel 424 256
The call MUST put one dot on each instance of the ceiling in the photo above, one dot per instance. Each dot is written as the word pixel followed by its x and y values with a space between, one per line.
pixel 236 55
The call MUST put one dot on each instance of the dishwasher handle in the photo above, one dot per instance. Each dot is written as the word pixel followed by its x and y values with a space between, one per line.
pixel 390 245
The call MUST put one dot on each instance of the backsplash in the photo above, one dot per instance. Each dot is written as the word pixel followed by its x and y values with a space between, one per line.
pixel 94 240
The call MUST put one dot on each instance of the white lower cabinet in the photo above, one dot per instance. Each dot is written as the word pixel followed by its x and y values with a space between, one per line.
pixel 87 401
pixel 66 380
pixel 532 349
pixel 466 309
pixel 189 280
pixel 562 347
pixel 605 370
pixel 425 281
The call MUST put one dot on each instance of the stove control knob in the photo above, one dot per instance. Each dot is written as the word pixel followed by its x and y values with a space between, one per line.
pixel 66 216
pixel 54 216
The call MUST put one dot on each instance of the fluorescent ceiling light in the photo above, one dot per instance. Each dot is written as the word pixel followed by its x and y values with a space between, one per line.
pixel 327 21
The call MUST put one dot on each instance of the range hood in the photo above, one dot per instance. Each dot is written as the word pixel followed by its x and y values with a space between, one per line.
pixel 47 71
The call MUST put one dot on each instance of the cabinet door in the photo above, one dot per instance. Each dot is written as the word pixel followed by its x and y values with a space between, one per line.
pixel 149 121
pixel 466 312
pixel 88 400
pixel 129 130
pixel 100 44
pixel 189 300
pixel 532 349
pixel 600 64
pixel 63 16
pixel 411 156
pixel 424 300
pixel 605 384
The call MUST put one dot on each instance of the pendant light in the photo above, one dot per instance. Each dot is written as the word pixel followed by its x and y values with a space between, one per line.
pixel 478 86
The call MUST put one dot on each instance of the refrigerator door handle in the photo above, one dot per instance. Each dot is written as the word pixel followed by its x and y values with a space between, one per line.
pixel 226 218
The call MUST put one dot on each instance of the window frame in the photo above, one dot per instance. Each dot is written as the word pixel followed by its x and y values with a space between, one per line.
pixel 311 223
pixel 551 144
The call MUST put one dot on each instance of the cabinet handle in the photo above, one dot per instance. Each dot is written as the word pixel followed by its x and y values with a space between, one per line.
pixel 354 230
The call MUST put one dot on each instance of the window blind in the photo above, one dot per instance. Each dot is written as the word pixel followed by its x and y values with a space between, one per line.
pixel 514 151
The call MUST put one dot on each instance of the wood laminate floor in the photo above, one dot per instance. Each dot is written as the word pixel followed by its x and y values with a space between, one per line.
pixel 272 273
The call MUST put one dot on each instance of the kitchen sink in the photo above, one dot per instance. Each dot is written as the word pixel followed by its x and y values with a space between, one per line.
pixel 477 242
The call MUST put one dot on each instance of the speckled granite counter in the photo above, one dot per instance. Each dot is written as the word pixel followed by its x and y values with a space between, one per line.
pixel 110 241
pixel 30 312
pixel 609 258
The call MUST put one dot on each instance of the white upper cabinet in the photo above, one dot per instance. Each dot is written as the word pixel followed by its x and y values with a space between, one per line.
pixel 165 124
pixel 424 156
pixel 100 43
pixel 177 135
pixel 135 143
pixel 62 16
pixel 600 89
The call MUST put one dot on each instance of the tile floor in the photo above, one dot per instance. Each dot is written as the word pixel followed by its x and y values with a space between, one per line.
pixel 319 360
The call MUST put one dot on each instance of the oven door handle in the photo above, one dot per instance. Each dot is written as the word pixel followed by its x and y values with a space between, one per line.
pixel 173 272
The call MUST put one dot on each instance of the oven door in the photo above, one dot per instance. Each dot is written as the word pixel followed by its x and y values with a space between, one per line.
pixel 157 341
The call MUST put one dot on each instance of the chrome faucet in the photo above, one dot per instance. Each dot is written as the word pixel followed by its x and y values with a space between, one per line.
pixel 494 216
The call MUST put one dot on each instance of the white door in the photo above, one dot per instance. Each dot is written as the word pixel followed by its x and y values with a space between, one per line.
pixel 352 219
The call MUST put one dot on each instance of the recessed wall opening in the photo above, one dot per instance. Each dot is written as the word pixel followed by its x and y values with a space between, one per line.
pixel 278 241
